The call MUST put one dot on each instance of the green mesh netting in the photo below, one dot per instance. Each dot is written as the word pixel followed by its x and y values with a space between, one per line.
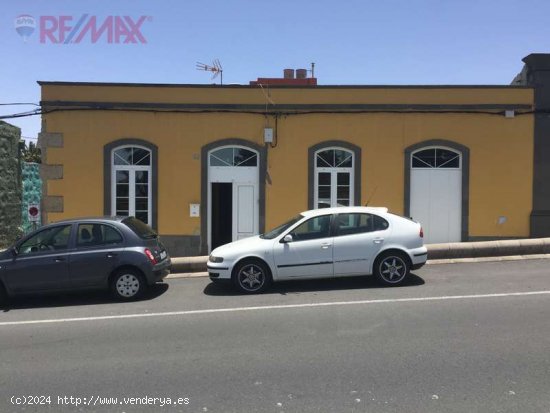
pixel 32 192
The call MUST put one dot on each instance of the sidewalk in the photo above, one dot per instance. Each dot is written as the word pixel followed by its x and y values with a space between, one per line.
pixel 436 252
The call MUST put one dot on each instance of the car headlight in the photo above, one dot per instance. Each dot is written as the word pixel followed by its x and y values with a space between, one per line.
pixel 215 259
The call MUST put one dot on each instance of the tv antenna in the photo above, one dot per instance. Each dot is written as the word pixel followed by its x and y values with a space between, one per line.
pixel 312 70
pixel 215 68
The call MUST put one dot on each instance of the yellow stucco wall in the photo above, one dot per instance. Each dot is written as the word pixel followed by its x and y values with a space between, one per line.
pixel 501 149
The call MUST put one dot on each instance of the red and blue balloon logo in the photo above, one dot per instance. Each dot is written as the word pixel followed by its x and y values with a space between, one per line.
pixel 25 25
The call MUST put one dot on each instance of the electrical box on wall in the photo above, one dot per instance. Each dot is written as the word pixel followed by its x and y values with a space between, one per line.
pixel 194 210
pixel 268 135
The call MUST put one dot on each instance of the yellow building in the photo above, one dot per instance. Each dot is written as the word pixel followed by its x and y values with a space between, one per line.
pixel 207 164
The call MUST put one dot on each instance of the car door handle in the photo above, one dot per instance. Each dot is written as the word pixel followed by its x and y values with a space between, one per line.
pixel 111 255
pixel 59 259
pixel 378 240
pixel 325 246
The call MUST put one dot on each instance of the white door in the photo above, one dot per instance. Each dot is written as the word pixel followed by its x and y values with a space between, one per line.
pixel 239 167
pixel 436 194
pixel 357 241
pixel 245 208
pixel 309 255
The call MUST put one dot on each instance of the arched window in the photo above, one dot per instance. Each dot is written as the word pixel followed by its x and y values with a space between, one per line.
pixel 131 170
pixel 233 156
pixel 435 158
pixel 334 178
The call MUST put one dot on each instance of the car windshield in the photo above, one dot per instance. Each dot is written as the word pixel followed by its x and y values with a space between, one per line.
pixel 141 229
pixel 281 228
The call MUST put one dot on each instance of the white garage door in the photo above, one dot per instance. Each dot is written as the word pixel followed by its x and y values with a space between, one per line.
pixel 436 193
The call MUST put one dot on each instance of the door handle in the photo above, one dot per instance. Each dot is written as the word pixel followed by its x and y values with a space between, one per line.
pixel 378 240
pixel 325 246
pixel 59 259
pixel 111 255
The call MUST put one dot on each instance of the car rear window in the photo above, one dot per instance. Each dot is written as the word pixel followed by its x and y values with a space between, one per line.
pixel 380 224
pixel 141 229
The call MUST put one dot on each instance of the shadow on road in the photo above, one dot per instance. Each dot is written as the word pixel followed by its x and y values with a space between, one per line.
pixel 74 299
pixel 299 286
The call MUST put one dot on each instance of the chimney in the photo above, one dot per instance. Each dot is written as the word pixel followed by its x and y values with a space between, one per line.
pixel 288 73
pixel 301 73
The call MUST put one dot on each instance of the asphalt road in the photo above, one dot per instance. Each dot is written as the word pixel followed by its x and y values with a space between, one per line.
pixel 458 338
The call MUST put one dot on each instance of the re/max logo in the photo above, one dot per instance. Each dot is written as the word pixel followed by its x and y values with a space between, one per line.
pixel 112 29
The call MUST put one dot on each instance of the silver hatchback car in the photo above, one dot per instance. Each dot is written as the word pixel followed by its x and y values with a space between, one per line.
pixel 324 243
pixel 120 253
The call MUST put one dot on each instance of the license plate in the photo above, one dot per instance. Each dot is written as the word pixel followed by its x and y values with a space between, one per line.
pixel 163 255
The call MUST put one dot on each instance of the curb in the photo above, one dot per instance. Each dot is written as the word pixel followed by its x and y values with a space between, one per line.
pixel 189 264
pixel 430 262
pixel 450 251
pixel 489 248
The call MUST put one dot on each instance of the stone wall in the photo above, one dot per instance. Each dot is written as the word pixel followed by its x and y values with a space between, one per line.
pixel 50 203
pixel 10 184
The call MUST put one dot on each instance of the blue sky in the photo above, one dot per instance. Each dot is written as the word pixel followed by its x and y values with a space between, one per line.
pixel 350 41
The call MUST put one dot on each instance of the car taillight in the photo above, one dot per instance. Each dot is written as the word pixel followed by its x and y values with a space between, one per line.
pixel 150 256
pixel 421 233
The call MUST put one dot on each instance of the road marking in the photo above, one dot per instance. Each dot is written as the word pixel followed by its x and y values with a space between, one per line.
pixel 273 307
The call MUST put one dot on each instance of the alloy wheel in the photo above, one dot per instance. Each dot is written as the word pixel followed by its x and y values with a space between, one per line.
pixel 393 269
pixel 251 277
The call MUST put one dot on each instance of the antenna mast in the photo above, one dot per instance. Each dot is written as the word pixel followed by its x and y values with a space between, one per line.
pixel 215 68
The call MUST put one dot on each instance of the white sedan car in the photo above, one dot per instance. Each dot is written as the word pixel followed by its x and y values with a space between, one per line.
pixel 324 243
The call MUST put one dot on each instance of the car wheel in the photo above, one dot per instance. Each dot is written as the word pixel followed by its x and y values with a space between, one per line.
pixel 252 277
pixel 127 285
pixel 391 268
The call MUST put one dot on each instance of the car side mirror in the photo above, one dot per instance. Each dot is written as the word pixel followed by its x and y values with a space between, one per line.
pixel 287 238
pixel 14 251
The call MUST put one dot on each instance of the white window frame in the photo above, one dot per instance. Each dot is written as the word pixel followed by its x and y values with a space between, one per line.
pixel 132 169
pixel 255 155
pixel 458 153
pixel 333 177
